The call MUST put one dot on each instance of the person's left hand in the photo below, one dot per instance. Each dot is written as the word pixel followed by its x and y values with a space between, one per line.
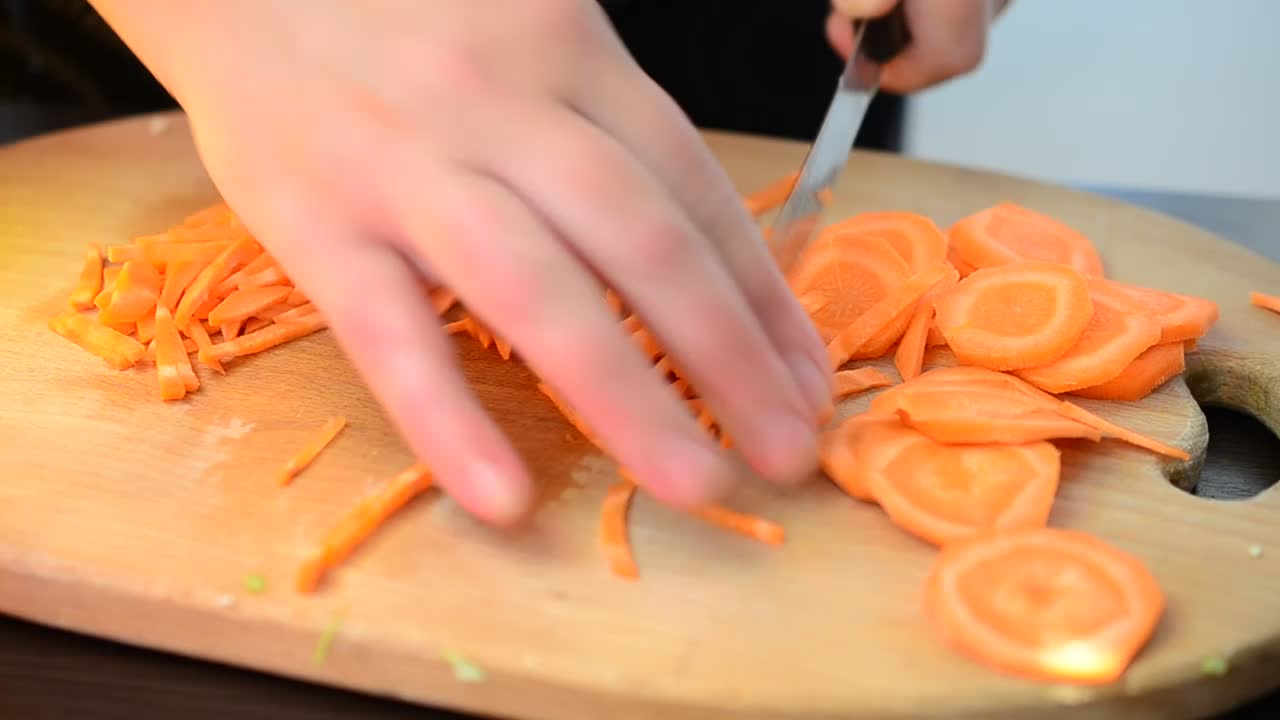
pixel 948 38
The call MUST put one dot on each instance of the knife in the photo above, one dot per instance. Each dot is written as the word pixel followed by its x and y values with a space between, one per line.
pixel 875 42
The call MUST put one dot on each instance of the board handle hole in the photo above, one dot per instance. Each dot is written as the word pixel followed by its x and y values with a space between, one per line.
pixel 1242 459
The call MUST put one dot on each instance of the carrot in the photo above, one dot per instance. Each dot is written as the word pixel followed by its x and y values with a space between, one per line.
pixel 842 347
pixel 218 213
pixel 771 196
pixel 1008 233
pixel 303 458
pixel 116 349
pixel 90 282
pixel 231 283
pixel 442 299
pixel 240 252
pixel 170 357
pixel 1015 315
pixel 145 328
pixel 942 493
pixel 133 294
pixel 844 276
pixel 909 358
pixel 1153 368
pixel 1044 603
pixel 297 297
pixel 204 346
pixel 271 276
pixel 851 382
pixel 1182 317
pixel 242 304
pixel 1111 340
pixel 164 254
pixel 915 238
pixel 359 523
pixel 264 339
pixel 750 526
pixel 613 529
pixel 958 263
pixel 838 455
pixel 231 329
pixel 296 313
pixel 1265 301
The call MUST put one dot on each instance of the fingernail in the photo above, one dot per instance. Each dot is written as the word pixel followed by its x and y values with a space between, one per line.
pixel 496 496
pixel 788 449
pixel 815 384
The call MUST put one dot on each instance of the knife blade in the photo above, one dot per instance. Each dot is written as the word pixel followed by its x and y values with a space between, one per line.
pixel 875 42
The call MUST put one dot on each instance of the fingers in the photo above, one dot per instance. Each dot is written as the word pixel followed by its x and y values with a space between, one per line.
pixel 858 9
pixel 622 222
pixel 510 270
pixel 373 302
pixel 948 39
pixel 658 135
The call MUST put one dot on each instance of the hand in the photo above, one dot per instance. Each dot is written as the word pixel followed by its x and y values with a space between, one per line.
pixel 513 151
pixel 948 38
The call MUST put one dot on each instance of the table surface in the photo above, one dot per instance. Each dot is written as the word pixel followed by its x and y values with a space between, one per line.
pixel 46 673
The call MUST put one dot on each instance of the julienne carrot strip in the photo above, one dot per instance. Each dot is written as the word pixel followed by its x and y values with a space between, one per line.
pixel 231 329
pixel 843 346
pixel 359 523
pixel 300 311
pixel 852 382
pixel 303 458
pixel 232 282
pixel 238 253
pixel 266 338
pixel 117 350
pixel 169 352
pixel 90 282
pixel 204 346
pixel 750 526
pixel 614 540
pixel 1265 301
pixel 244 303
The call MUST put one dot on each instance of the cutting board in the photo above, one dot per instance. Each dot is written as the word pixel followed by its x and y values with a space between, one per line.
pixel 133 519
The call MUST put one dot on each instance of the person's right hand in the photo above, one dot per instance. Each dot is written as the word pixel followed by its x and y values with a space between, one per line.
pixel 513 151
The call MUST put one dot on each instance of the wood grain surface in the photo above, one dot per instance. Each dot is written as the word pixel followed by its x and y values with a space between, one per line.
pixel 137 520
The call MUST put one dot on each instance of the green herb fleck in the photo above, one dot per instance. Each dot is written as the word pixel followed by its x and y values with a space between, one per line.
pixel 327 637
pixel 1214 665
pixel 255 583
pixel 1255 551
pixel 464 670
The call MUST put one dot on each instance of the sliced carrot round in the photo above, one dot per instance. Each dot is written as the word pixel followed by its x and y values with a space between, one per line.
pixel 915 237
pixel 1008 233
pixel 1153 368
pixel 1181 317
pixel 1044 603
pixel 943 493
pixel 1016 315
pixel 840 277
pixel 1113 338
pixel 839 447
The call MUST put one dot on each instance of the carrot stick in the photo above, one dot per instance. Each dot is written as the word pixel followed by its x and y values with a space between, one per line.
pixel 177 277
pixel 750 526
pixel 116 349
pixel 231 329
pixel 303 458
pixel 270 276
pixel 90 282
pixel 613 529
pixel 241 304
pixel 296 313
pixel 297 297
pixel 242 251
pixel 770 196
pixel 851 382
pixel 204 346
pixel 850 340
pixel 232 282
pixel 169 355
pixel 359 523
pixel 264 339
pixel 1265 301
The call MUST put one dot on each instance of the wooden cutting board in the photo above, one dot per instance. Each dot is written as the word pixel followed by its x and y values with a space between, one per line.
pixel 129 518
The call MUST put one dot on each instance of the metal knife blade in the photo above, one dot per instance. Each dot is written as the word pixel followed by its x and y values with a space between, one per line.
pixel 874 43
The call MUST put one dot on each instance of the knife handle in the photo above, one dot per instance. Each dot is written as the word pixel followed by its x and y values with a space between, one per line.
pixel 886 36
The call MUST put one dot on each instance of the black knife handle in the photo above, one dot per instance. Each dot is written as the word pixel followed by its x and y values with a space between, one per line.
pixel 886 36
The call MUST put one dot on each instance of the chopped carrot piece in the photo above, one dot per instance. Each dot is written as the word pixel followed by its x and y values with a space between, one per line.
pixel 1265 301
pixel 265 339
pixel 1153 368
pixel 851 382
pixel 915 238
pixel 1008 233
pixel 958 263
pixel 231 283
pixel 1111 340
pixel 116 349
pixel 843 276
pixel 242 251
pixel 254 324
pixel 358 524
pixel 771 196
pixel 170 356
pixel 168 253
pixel 303 458
pixel 1044 603
pixel 942 493
pixel 231 329
pixel 269 277
pixel 851 338
pixel 613 529
pixel 1182 317
pixel 442 298
pixel 242 304
pixel 909 358
pixel 204 346
pixel 750 526
pixel 217 214
pixel 270 312
pixel 297 297
pixel 133 294
pixel 296 313
pixel 90 282
pixel 1015 315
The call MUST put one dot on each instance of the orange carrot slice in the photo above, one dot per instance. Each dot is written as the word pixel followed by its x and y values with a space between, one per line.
pixel 241 304
pixel 1044 603
pixel 1015 315
pixel 944 493
pixel 170 355
pixel 1144 375
pixel 1111 340
pixel 770 196
pixel 358 524
pixel 1008 233
pixel 844 276
pixel 133 295
pixel 614 541
pixel 116 349
pixel 1265 301
pixel 90 282
pixel 1182 317
pixel 851 382
pixel 915 237
pixel 838 452
pixel 842 347
pixel 958 263
pixel 303 458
